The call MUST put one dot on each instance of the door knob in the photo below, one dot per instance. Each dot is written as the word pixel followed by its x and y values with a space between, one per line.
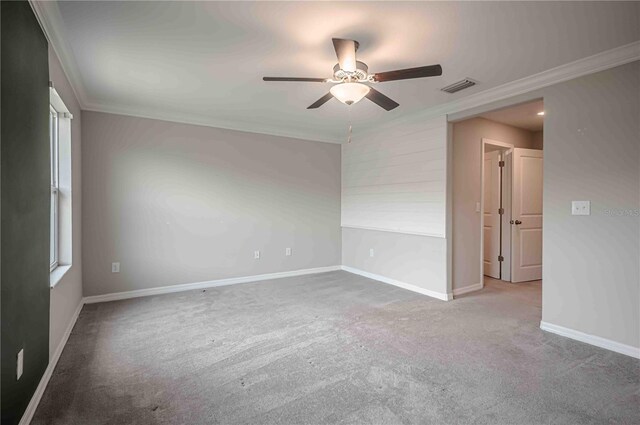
pixel 518 222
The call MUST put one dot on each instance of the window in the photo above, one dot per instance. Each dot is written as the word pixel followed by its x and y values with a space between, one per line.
pixel 61 223
pixel 55 189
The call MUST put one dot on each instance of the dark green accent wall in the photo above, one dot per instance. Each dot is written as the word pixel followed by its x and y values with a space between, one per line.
pixel 24 205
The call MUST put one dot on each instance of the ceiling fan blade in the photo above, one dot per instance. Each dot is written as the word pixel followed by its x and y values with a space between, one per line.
pixel 346 52
pixel 405 74
pixel 381 100
pixel 318 103
pixel 302 80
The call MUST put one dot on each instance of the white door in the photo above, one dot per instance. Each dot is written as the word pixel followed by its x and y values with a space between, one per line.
pixel 491 217
pixel 526 215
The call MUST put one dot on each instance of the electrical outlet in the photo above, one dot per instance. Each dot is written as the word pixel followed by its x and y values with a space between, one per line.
pixel 256 255
pixel 371 252
pixel 287 252
pixel 115 267
pixel 20 364
pixel 580 207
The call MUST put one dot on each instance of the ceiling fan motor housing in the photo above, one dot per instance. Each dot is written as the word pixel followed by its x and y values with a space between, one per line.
pixel 360 74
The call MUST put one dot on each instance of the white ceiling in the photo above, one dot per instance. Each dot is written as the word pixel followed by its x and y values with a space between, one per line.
pixel 522 116
pixel 202 62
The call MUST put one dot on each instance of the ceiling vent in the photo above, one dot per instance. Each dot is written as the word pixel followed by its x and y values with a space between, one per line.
pixel 460 85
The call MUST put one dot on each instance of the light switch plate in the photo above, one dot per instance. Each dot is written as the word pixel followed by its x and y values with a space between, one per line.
pixel 580 207
pixel 287 252
pixel 371 252
pixel 115 267
pixel 256 255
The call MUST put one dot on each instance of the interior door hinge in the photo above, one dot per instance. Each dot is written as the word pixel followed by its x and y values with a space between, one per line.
pixel 501 211
pixel 500 258
pixel 500 163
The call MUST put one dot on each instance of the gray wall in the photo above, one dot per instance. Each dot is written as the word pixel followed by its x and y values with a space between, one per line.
pixel 467 181
pixel 176 203
pixel 67 294
pixel 591 272
pixel 25 188
pixel 414 259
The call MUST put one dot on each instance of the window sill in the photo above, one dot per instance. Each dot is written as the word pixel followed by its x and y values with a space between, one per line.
pixel 56 275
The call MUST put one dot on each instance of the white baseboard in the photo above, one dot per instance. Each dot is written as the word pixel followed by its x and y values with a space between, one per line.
pixel 466 289
pixel 44 381
pixel 591 339
pixel 439 295
pixel 203 285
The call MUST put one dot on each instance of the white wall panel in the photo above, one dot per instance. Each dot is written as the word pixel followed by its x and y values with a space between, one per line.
pixel 395 179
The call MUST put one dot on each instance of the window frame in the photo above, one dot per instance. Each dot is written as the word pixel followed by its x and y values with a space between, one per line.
pixel 54 154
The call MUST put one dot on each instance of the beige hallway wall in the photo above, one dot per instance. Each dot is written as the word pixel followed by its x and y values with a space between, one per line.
pixel 537 140
pixel 467 187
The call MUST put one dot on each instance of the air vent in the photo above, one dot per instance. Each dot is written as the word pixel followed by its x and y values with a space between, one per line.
pixel 460 85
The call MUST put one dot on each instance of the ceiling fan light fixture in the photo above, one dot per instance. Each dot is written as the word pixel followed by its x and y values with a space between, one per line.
pixel 349 74
pixel 349 93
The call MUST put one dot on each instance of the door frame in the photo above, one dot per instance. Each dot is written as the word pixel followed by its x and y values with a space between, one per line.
pixel 461 112
pixel 507 208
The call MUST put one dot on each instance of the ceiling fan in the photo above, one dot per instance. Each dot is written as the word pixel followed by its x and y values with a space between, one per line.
pixel 349 75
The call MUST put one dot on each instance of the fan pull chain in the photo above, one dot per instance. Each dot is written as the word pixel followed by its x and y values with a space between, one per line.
pixel 350 128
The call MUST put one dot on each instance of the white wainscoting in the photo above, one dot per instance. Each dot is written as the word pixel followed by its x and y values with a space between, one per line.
pixel 394 179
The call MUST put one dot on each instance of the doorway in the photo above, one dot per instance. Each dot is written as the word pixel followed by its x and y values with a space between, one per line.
pixel 482 233
pixel 511 201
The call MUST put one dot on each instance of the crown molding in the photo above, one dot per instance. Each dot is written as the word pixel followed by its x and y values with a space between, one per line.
pixel 579 68
pixel 199 120
pixel 589 65
pixel 50 20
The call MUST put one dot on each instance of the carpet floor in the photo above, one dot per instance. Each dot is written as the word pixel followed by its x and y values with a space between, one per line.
pixel 333 348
